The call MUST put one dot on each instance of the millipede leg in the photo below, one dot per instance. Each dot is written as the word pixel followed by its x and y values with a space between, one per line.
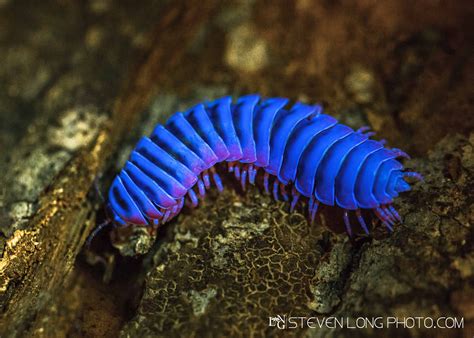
pixel 383 218
pixel 207 181
pixel 370 134
pixel 283 192
pixel 201 188
pixel 181 203
pixel 395 213
pixel 400 153
pixel 275 190
pixel 389 227
pixel 390 214
pixel 347 223
pixel 296 196
pixel 314 210
pixel 217 181
pixel 265 182
pixel 362 221
pixel 230 166
pixel 97 230
pixel 310 205
pixel 237 172
pixel 166 216
pixel 243 180
pixel 363 129
pixel 383 141
pixel 174 211
pixel 415 175
pixel 193 198
pixel 252 174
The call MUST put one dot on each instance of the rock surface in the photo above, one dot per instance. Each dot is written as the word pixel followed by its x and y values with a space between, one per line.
pixel 83 80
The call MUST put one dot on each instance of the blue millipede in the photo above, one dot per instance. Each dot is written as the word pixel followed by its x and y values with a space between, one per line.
pixel 301 153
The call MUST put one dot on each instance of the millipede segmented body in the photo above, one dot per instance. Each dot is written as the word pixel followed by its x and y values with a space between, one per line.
pixel 298 151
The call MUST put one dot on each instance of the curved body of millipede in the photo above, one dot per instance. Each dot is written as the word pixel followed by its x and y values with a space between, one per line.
pixel 299 151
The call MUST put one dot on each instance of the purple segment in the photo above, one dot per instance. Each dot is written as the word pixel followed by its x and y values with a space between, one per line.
pixel 183 130
pixel 198 118
pixel 299 139
pixel 263 122
pixel 346 178
pixel 151 189
pixel 242 113
pixel 331 164
pixel 177 149
pixel 123 204
pixel 221 116
pixel 152 152
pixel 382 179
pixel 285 123
pixel 165 181
pixel 313 154
pixel 366 178
pixel 146 206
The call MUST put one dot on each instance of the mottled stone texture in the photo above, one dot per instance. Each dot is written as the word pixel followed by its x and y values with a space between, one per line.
pixel 80 81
